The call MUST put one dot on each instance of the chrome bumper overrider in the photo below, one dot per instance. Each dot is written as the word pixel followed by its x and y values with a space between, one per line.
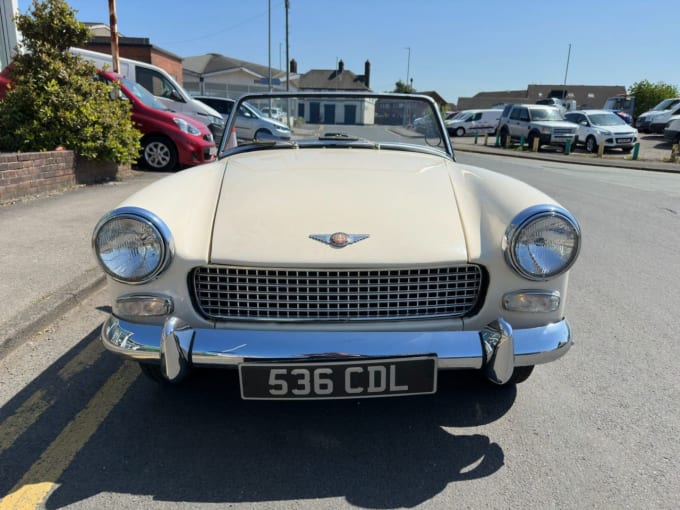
pixel 497 349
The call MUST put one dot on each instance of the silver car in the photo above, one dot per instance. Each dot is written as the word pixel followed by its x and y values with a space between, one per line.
pixel 251 123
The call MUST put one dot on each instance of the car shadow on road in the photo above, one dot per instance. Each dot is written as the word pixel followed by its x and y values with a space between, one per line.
pixel 200 443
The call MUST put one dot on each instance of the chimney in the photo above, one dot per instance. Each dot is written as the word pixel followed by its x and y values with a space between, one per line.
pixel 367 74
pixel 341 66
pixel 293 66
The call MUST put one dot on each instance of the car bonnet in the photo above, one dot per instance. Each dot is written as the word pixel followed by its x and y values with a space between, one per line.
pixel 273 201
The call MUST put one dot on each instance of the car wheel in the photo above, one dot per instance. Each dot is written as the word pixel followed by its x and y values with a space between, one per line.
pixel 153 372
pixel 159 153
pixel 520 374
pixel 460 131
pixel 591 144
pixel 261 132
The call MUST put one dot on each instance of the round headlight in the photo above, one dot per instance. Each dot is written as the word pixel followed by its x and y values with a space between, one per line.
pixel 542 242
pixel 132 245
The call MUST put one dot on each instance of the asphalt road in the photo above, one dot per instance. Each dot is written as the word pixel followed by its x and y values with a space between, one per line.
pixel 79 428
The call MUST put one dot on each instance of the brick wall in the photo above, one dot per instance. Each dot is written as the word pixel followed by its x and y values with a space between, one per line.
pixel 32 173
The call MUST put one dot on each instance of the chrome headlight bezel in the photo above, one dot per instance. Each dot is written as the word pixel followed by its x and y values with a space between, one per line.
pixel 152 225
pixel 531 217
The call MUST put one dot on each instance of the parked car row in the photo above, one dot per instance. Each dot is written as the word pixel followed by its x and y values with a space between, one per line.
pixel 550 126
pixel 177 131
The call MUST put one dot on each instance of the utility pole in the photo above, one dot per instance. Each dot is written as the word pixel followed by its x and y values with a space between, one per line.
pixel 408 65
pixel 287 55
pixel 564 88
pixel 113 22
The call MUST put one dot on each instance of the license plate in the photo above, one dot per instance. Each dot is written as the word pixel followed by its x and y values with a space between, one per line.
pixel 339 379
pixel 623 140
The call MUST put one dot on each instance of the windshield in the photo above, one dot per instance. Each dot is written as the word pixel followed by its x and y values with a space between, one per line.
pixel 142 94
pixel 666 104
pixel 606 119
pixel 545 114
pixel 335 119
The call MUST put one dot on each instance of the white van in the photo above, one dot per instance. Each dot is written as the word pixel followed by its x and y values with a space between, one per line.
pixel 162 85
pixel 474 121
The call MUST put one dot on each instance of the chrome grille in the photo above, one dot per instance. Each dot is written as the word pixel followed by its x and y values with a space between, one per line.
pixel 278 294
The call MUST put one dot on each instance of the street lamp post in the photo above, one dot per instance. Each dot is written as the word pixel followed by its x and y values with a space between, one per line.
pixel 408 65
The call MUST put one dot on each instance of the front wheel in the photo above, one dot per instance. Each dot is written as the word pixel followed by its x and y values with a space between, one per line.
pixel 153 372
pixel 519 375
pixel 260 132
pixel 159 153
pixel 591 144
pixel 460 131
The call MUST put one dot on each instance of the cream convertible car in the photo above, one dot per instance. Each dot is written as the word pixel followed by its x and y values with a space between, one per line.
pixel 356 259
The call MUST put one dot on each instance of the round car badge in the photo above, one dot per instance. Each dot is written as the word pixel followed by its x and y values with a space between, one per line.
pixel 339 239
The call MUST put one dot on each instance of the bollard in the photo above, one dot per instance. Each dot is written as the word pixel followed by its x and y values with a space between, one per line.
pixel 498 141
pixel 674 153
pixel 486 139
pixel 535 144
pixel 600 150
pixel 521 143
pixel 476 135
pixel 636 151
pixel 567 147
pixel 508 141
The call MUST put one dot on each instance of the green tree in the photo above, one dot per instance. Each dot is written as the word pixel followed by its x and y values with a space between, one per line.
pixel 647 95
pixel 403 88
pixel 55 100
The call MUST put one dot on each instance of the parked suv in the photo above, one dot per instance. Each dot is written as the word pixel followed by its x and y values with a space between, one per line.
pixel 534 121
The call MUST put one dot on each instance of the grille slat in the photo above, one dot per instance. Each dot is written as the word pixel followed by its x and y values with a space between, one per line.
pixel 238 293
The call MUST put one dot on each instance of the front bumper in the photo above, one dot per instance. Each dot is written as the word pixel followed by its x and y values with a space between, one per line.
pixel 496 349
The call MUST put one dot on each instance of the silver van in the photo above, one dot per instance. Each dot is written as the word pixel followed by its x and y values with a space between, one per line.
pixel 473 121
pixel 162 85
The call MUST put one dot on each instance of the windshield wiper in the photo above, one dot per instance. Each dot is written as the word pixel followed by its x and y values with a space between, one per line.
pixel 339 136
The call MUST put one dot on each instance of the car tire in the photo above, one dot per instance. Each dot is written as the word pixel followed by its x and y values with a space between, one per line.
pixel 520 374
pixel 159 153
pixel 260 132
pixel 591 144
pixel 153 372
pixel 460 131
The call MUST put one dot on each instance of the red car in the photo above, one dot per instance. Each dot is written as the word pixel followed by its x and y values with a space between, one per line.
pixel 169 139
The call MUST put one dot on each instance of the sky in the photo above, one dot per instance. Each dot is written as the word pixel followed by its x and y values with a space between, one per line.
pixel 454 47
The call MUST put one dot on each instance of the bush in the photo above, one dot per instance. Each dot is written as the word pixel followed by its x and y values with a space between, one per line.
pixel 56 100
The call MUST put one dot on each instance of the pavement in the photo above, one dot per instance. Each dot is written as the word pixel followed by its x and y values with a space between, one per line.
pixel 46 260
